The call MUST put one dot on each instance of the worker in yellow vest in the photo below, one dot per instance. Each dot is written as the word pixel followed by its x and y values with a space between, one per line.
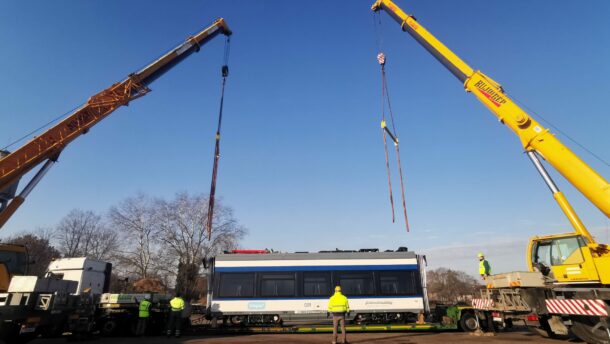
pixel 175 315
pixel 338 306
pixel 143 315
pixel 484 267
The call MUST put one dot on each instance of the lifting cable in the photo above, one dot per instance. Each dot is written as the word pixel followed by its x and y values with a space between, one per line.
pixel 385 97
pixel 225 74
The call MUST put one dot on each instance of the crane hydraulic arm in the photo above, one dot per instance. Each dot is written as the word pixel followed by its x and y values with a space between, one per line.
pixel 47 147
pixel 534 137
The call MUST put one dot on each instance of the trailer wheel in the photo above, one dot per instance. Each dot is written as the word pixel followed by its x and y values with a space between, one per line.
pixel 237 320
pixel 109 328
pixel 591 329
pixel 468 323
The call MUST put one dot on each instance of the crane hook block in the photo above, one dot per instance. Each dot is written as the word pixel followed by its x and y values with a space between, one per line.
pixel 381 58
pixel 225 71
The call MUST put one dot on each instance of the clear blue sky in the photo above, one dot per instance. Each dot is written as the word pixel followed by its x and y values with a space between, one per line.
pixel 302 157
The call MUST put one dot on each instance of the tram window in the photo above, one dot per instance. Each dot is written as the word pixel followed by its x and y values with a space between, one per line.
pixel 412 283
pixel 236 285
pixel 392 283
pixel 277 285
pixel 316 284
pixel 356 283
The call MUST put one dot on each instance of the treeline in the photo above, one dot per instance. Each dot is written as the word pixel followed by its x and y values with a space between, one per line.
pixel 452 286
pixel 144 237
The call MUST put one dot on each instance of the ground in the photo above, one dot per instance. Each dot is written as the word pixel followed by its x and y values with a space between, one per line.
pixel 399 338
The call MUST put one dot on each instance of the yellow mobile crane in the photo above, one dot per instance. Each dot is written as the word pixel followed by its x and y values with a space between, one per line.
pixel 576 267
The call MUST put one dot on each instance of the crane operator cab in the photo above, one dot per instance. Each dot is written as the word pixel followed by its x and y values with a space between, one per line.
pixel 13 261
pixel 563 258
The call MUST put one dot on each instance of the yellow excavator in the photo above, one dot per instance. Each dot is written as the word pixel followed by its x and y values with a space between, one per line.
pixel 569 283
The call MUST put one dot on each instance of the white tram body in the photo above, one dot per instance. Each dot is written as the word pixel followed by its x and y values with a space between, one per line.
pixel 289 286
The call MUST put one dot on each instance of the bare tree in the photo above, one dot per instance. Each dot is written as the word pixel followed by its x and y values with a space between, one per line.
pixel 82 233
pixel 183 232
pixel 104 244
pixel 448 285
pixel 136 221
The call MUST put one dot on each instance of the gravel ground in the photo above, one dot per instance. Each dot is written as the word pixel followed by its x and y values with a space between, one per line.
pixel 402 338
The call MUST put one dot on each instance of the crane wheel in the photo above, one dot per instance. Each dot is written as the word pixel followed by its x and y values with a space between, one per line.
pixel 591 329
pixel 468 323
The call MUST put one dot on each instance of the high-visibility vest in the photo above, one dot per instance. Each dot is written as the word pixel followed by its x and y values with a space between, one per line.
pixel 338 303
pixel 177 304
pixel 484 268
pixel 144 308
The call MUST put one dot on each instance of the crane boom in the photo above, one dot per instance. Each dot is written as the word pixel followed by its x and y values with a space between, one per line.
pixel 49 144
pixel 534 137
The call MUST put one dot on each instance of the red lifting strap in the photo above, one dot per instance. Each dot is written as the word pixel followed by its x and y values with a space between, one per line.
pixel 225 73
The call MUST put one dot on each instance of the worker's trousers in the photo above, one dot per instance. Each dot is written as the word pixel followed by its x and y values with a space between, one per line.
pixel 141 327
pixel 174 323
pixel 339 318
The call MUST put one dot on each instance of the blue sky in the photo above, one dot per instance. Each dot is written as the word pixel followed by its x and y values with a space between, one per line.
pixel 302 157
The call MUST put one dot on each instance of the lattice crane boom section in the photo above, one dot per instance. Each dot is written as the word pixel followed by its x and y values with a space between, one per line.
pixel 50 143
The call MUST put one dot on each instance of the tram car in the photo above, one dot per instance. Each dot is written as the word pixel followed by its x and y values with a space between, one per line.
pixel 262 287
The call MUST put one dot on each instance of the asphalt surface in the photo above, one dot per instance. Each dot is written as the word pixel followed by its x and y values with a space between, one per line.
pixel 399 338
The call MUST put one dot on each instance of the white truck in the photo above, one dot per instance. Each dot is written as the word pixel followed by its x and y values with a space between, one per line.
pixel 47 306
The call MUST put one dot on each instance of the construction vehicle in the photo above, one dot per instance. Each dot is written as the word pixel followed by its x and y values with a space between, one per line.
pixel 73 297
pixel 13 261
pixel 568 285
pixel 45 306
pixel 31 305
pixel 47 146
pixel 13 258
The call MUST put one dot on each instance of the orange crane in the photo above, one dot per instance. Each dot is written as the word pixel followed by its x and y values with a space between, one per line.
pixel 47 147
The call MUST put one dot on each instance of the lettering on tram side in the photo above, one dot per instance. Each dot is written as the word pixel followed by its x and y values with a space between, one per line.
pixel 490 93
pixel 378 303
pixel 308 312
pixel 256 306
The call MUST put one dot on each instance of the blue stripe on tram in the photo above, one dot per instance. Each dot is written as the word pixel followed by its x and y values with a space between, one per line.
pixel 315 298
pixel 317 268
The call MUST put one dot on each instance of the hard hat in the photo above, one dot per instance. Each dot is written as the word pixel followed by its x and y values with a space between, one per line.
pixel 480 255
pixel 337 289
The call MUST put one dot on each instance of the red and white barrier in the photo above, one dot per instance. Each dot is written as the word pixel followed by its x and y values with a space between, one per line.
pixel 577 307
pixel 482 303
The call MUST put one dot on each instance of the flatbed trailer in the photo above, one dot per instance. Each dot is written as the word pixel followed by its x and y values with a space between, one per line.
pixel 452 318
pixel 328 328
